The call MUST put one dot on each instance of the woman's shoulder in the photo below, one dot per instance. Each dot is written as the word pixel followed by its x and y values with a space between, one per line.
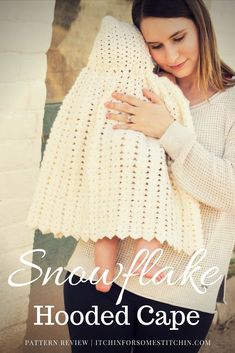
pixel 229 94
pixel 228 104
pixel 222 105
pixel 227 97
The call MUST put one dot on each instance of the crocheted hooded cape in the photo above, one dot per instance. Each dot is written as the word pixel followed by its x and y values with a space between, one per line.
pixel 95 181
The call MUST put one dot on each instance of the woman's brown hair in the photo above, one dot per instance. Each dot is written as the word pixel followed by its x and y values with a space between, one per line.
pixel 212 71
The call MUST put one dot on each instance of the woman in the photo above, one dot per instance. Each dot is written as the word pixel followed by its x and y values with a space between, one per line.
pixel 181 40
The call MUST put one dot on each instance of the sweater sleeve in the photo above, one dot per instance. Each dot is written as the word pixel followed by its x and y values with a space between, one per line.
pixel 207 177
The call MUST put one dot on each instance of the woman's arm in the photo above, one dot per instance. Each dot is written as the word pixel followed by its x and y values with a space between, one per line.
pixel 210 179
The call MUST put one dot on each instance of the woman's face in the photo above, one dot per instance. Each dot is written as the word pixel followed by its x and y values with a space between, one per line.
pixel 173 44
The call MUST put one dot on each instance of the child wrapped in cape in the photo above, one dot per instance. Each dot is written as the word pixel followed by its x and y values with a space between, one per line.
pixel 101 184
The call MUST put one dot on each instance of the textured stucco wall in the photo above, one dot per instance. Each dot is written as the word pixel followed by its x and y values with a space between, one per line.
pixel 223 16
pixel 25 28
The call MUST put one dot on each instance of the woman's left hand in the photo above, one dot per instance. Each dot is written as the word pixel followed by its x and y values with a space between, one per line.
pixel 152 117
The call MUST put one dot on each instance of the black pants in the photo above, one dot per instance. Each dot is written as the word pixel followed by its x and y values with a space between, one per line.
pixel 117 338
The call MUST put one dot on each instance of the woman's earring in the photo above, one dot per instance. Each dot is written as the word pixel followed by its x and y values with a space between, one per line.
pixel 156 69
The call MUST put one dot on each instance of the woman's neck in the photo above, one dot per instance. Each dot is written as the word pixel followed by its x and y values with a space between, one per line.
pixel 188 85
pixel 190 89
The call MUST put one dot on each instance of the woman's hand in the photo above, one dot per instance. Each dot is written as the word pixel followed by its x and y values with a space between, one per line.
pixel 152 117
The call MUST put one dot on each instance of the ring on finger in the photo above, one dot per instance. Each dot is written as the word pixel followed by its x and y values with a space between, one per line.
pixel 129 119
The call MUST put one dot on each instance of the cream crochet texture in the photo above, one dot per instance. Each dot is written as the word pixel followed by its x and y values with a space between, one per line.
pixel 95 181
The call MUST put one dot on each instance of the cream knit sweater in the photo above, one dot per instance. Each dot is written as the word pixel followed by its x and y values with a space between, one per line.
pixel 204 165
